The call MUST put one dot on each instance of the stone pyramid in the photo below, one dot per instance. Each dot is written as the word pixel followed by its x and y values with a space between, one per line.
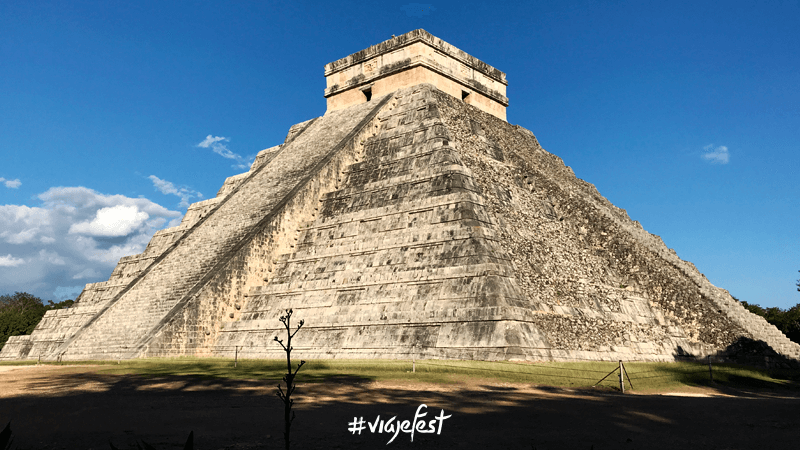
pixel 411 220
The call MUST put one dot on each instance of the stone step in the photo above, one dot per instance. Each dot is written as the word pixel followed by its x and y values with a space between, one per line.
pixel 132 317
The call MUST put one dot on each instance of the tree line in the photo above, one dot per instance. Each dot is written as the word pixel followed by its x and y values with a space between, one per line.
pixel 786 320
pixel 21 312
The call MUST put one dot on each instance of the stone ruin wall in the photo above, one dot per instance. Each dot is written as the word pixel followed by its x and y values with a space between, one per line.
pixel 198 327
pixel 402 260
pixel 411 59
pixel 519 259
pixel 147 290
pixel 594 279
pixel 58 325
pixel 605 283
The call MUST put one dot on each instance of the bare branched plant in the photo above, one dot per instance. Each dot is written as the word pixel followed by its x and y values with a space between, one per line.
pixel 286 396
pixel 6 437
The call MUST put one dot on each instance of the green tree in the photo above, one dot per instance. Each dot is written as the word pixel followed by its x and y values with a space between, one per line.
pixel 21 312
pixel 792 320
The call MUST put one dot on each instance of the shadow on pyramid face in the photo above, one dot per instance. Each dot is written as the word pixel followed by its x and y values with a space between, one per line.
pixel 757 353
pixel 745 351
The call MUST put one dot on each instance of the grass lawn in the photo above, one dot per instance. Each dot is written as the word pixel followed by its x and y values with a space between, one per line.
pixel 643 376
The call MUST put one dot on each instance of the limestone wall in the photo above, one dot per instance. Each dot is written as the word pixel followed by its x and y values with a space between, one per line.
pixel 107 319
pixel 301 174
pixel 401 260
pixel 59 326
pixel 603 283
pixel 457 236
pixel 414 58
pixel 412 225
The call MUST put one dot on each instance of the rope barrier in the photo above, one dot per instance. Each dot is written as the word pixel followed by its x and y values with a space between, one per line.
pixel 526 370
pixel 503 371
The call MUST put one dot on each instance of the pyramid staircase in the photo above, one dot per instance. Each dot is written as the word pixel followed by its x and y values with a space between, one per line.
pixel 410 225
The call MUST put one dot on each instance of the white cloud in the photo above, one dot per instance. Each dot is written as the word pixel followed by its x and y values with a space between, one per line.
pixel 75 233
pixel 51 257
pixel 718 155
pixel 167 188
pixel 23 237
pixel 117 220
pixel 13 184
pixel 10 261
pixel 215 143
pixel 209 141
pixel 86 273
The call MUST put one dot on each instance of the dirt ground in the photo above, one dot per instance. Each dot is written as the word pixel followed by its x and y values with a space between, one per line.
pixel 73 407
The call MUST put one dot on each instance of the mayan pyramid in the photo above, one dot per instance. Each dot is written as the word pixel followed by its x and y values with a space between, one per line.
pixel 411 220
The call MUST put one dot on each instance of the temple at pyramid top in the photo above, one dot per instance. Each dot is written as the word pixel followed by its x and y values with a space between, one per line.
pixel 413 58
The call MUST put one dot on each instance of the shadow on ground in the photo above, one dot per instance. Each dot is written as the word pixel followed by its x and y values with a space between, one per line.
pixel 81 409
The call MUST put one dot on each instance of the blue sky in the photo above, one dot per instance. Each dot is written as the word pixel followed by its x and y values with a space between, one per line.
pixel 116 115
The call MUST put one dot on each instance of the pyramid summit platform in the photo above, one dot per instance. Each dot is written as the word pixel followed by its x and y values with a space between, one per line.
pixel 411 220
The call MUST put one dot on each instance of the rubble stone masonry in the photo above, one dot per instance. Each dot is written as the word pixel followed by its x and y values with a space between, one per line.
pixel 411 220
pixel 413 225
